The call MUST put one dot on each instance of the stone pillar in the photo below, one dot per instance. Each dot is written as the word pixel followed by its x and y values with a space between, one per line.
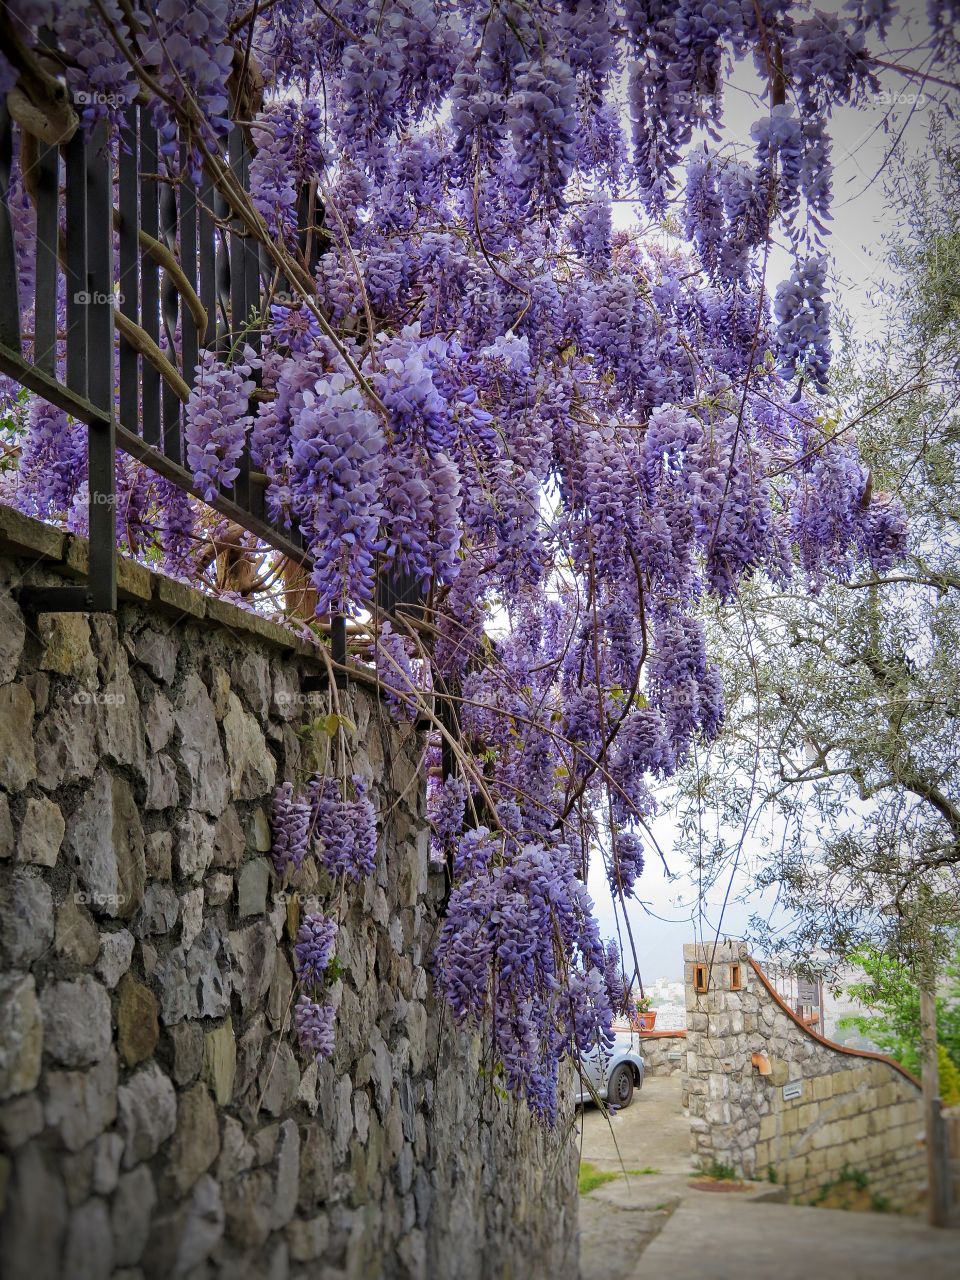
pixel 718 1058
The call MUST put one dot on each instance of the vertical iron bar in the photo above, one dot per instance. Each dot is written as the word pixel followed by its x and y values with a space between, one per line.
pixel 338 646
pixel 46 188
pixel 222 211
pixel 239 301
pixel 189 338
pixel 169 307
pixel 253 301
pixel 238 278
pixel 447 714
pixel 76 263
pixel 398 590
pixel 208 261
pixel 129 300
pixel 149 279
pixel 251 258
pixel 449 720
pixel 310 212
pixel 100 373
pixel 47 261
pixel 9 290
pixel 223 275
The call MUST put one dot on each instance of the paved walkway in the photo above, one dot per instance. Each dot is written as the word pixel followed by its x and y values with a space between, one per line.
pixel 647 1226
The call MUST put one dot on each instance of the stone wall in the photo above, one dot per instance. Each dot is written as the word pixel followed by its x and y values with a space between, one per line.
pixel 819 1108
pixel 663 1052
pixel 156 1116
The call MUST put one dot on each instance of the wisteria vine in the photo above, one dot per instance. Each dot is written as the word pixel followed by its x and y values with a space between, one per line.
pixel 560 432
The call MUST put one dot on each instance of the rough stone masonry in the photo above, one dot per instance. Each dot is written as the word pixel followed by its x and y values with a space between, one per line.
pixel 156 1116
pixel 804 1109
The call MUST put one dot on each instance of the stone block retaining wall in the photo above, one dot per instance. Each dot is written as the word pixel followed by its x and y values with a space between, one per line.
pixel 156 1117
pixel 663 1052
pixel 819 1109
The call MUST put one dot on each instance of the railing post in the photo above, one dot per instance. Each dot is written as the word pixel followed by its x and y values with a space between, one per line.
pixel 338 646
pixel 101 468
pixel 170 309
pixel 189 337
pixel 149 279
pixel 240 302
pixel 9 295
pixel 47 281
pixel 208 259
pixel 450 723
pixel 129 300
pixel 253 295
pixel 75 267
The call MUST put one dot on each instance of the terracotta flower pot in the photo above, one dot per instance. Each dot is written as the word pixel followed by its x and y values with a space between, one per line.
pixel 647 1021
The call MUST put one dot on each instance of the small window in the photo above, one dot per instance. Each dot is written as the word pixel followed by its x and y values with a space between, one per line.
pixel 700 977
pixel 735 983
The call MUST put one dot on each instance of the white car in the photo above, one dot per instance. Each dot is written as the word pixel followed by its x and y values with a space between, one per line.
pixel 614 1074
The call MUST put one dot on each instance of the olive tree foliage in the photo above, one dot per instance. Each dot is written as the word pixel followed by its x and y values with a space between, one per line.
pixel 834 784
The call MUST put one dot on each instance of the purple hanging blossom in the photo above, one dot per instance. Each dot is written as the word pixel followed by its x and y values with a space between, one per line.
pixel 345 831
pixel 803 319
pixel 364 820
pixel 395 673
pixel 289 155
pixel 53 463
pixel 336 464
pixel 626 863
pixel 313 949
pixel 178 536
pixel 218 419
pixel 187 47
pixel 315 1026
pixel 447 817
pixel 498 954
pixel 474 852
pixel 618 988
pixel 290 826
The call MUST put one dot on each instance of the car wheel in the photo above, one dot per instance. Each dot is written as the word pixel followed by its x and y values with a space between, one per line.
pixel 620 1086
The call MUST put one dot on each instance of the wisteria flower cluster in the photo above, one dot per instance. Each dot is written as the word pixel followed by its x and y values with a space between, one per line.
pixel 519 945
pixel 448 814
pixel 314 948
pixel 395 672
pixel 315 1026
pixel 187 47
pixel 618 987
pixel 291 822
pixel 290 156
pixel 340 833
pixel 218 419
pixel 314 1019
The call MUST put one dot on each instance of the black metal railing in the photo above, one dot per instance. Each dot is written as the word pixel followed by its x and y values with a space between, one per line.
pixel 186 277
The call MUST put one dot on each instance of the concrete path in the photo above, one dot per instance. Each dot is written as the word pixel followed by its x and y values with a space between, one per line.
pixel 620 1218
pixel 648 1226
pixel 713 1237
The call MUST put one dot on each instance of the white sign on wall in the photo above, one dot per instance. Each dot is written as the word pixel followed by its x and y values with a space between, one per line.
pixel 792 1089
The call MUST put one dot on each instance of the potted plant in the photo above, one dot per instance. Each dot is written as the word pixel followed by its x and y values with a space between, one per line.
pixel 646 1017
